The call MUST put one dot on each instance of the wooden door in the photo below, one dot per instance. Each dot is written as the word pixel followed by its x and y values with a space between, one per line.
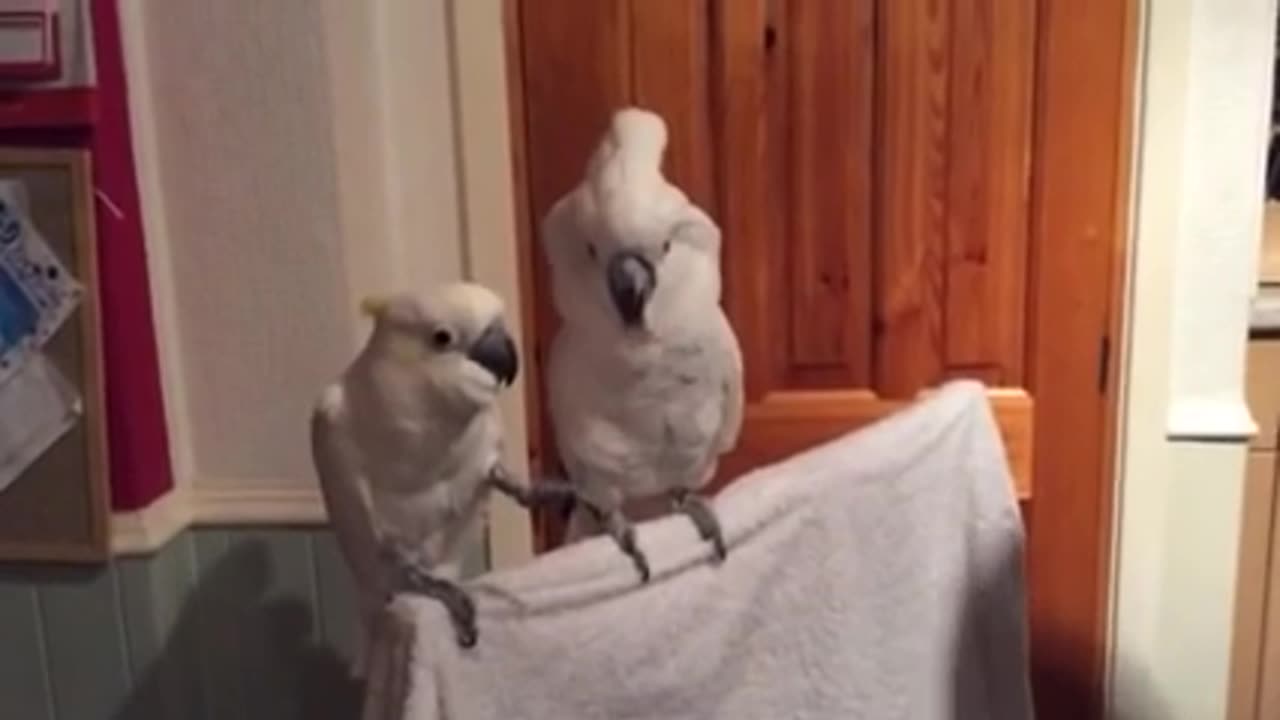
pixel 909 190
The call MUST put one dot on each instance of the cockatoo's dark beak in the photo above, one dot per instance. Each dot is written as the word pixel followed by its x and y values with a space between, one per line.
pixel 631 280
pixel 495 352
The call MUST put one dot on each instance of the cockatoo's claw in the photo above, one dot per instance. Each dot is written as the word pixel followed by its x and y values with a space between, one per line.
pixel 460 606
pixel 468 635
pixel 620 529
pixel 639 560
pixel 704 519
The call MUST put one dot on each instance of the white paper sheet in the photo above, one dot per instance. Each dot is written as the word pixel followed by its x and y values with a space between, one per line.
pixel 37 293
pixel 38 405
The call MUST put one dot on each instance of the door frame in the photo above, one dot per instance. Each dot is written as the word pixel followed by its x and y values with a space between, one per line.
pixel 1079 209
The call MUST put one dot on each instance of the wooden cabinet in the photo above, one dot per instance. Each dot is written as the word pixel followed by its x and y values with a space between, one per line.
pixel 1255 661
pixel 910 190
pixel 1269 263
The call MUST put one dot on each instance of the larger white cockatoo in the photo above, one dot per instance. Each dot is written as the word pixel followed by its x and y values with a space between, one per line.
pixel 645 374
pixel 407 444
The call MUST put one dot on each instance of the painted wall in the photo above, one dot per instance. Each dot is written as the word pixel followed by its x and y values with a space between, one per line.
pixel 1205 102
pixel 292 158
pixel 274 211
pixel 295 156
pixel 221 623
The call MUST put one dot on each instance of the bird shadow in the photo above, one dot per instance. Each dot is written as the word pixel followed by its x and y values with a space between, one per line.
pixel 238 650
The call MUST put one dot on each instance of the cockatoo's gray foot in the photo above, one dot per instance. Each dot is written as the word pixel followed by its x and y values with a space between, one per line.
pixel 704 519
pixel 620 529
pixel 461 608
pixel 534 494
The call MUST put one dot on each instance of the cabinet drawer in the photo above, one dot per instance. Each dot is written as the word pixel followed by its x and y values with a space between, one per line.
pixel 1262 389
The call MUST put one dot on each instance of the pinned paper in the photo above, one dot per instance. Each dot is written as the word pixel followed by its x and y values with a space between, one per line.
pixel 37 293
pixel 38 405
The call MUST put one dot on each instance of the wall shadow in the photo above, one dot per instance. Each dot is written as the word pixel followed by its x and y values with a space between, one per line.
pixel 238 651
pixel 996 653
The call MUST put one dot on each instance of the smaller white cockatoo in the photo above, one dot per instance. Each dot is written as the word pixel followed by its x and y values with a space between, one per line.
pixel 645 374
pixel 407 444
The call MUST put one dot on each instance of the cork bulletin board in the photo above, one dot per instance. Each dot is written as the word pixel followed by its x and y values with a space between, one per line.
pixel 57 509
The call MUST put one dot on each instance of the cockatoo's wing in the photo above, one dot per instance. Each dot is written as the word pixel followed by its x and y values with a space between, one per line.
pixel 345 489
pixel 731 386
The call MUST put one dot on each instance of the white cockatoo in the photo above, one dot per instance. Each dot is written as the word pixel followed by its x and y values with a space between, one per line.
pixel 645 374
pixel 407 444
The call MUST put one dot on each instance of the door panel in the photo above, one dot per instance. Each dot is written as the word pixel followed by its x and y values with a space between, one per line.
pixel 909 191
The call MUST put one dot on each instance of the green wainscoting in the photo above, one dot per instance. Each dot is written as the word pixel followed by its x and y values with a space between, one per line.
pixel 220 623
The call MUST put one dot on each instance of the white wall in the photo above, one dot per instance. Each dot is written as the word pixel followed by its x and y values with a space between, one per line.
pixel 246 141
pixel 295 155
pixel 1205 96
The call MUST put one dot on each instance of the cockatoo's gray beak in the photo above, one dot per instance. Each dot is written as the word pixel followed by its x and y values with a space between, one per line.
pixel 495 352
pixel 631 280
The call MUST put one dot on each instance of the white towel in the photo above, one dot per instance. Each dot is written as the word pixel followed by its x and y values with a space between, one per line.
pixel 879 576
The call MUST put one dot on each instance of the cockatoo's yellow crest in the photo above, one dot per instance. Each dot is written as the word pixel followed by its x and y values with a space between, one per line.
pixel 373 305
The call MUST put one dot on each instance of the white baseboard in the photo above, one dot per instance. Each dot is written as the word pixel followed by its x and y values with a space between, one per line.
pixel 255 506
pixel 222 503
pixel 144 531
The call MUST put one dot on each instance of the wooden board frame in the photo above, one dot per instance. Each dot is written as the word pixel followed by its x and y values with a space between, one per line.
pixel 65 519
pixel 1086 62
pixel 1087 67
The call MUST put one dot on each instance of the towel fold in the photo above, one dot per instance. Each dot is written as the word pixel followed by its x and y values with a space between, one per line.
pixel 878 576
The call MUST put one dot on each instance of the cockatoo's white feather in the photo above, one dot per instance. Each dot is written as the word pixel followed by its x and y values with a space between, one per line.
pixel 404 441
pixel 638 409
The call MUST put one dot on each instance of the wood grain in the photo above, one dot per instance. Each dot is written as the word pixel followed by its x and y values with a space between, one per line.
pixel 669 55
pixel 740 84
pixel 989 150
pixel 1258 542
pixel 1081 154
pixel 794 421
pixel 827 183
pixel 577 61
pixel 1268 697
pixel 1253 573
pixel 913 129
pixel 1262 388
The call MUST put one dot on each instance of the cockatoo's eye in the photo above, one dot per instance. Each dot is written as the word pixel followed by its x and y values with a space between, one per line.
pixel 591 250
pixel 666 247
pixel 440 339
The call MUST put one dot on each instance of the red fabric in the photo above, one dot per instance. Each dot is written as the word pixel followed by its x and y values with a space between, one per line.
pixel 139 438
pixel 98 119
